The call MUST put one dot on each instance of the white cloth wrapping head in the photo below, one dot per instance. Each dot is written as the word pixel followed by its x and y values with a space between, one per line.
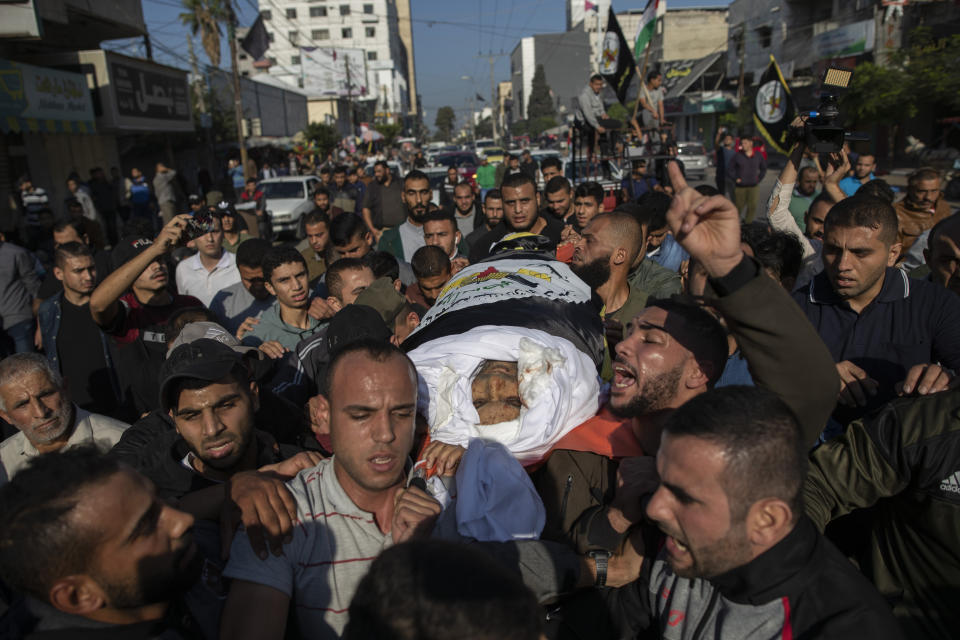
pixel 502 503
pixel 559 387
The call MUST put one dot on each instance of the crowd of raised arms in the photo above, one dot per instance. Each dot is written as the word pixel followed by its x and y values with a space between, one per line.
pixel 504 406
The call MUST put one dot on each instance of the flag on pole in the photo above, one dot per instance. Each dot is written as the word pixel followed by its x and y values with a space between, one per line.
pixel 616 62
pixel 773 107
pixel 480 98
pixel 256 42
pixel 646 28
pixel 589 6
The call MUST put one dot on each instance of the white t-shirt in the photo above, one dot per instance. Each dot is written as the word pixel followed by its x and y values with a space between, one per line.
pixel 333 544
pixel 411 237
pixel 193 279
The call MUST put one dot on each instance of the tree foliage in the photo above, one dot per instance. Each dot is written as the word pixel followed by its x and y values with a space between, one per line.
pixel 445 122
pixel 485 128
pixel 389 132
pixel 324 136
pixel 204 17
pixel 541 102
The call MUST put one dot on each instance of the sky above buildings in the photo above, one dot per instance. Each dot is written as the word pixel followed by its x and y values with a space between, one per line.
pixel 453 39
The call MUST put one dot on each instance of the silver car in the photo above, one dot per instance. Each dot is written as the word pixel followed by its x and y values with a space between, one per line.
pixel 694 158
pixel 287 199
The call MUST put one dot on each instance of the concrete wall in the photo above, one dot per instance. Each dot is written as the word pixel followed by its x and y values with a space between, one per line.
pixel 53 156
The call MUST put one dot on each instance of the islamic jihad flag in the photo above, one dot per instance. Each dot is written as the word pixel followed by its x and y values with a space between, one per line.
pixel 773 108
pixel 616 61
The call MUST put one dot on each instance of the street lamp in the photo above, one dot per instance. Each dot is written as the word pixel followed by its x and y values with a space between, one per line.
pixel 473 124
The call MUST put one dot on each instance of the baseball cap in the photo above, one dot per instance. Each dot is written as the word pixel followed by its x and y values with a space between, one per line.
pixel 355 322
pixel 129 248
pixel 203 359
pixel 523 242
pixel 194 199
pixel 210 330
pixel 384 298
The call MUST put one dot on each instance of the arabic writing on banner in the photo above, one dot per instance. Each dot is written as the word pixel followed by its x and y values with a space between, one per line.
pixel 27 91
pixel 500 280
pixel 148 94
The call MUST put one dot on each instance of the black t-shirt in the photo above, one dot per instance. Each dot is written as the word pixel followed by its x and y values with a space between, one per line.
pixel 82 360
pixel 481 248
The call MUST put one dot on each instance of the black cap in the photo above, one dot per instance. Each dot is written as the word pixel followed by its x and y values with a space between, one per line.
pixel 194 199
pixel 203 359
pixel 355 322
pixel 127 249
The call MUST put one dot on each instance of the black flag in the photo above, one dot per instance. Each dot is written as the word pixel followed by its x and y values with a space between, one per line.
pixel 616 60
pixel 773 108
pixel 480 98
pixel 256 42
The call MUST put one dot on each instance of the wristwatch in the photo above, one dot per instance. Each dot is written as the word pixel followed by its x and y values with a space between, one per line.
pixel 601 559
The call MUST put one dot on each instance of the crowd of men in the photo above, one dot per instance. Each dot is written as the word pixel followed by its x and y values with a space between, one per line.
pixel 209 433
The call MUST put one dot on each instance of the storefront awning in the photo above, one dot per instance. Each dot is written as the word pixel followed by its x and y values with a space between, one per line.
pixel 41 100
pixel 687 75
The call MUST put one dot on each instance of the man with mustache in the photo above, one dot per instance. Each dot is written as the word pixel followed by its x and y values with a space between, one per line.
pixel 404 240
pixel 382 206
pixel 671 352
pixel 133 305
pixel 923 207
pixel 33 398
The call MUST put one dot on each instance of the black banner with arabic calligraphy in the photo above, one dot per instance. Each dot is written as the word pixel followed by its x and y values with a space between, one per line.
pixel 616 60
pixel 774 109
pixel 145 94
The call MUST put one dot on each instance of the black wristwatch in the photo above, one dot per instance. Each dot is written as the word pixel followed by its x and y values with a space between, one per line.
pixel 601 558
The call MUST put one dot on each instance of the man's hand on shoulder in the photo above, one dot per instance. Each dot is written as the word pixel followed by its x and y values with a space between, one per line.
pixel 263 504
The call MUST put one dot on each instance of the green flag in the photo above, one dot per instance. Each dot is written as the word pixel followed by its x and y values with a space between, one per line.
pixel 646 29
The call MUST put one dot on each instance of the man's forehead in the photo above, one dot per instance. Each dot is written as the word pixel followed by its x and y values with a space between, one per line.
pixel 689 461
pixel 27 382
pixel 359 367
pixel 525 190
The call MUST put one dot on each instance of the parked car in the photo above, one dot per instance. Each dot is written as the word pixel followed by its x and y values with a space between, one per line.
pixel 492 154
pixel 287 199
pixel 694 158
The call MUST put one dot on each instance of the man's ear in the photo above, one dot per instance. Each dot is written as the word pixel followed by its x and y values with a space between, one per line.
pixel 334 303
pixel 397 285
pixel 319 415
pixel 77 595
pixel 58 273
pixel 270 288
pixel 768 520
pixel 255 395
pixel 620 255
pixel 698 374
pixel 895 249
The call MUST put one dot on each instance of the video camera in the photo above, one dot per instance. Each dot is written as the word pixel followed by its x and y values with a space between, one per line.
pixel 822 132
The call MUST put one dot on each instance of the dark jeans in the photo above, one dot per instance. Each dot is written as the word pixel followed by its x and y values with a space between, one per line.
pixel 605 139
pixel 18 338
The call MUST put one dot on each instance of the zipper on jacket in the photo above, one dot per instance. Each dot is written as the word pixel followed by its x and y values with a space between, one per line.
pixel 566 496
pixel 706 614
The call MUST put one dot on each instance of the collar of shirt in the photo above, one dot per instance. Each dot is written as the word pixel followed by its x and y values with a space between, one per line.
pixel 896 286
pixel 197 265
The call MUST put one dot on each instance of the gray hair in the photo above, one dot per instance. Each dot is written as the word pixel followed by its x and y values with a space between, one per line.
pixel 20 364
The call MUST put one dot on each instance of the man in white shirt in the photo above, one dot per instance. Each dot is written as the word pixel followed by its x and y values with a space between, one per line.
pixel 211 269
pixel 33 398
pixel 349 507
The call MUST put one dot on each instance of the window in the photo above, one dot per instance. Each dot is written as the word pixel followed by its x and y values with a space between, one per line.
pixel 242 56
pixel 371 55
pixel 346 33
pixel 291 14
pixel 320 34
pixel 368 8
pixel 265 14
pixel 294 59
pixel 269 37
pixel 273 61
pixel 318 12
pixel 764 35
pixel 371 32
pixel 293 36
pixel 344 9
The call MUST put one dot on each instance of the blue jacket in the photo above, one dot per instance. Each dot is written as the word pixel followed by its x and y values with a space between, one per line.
pixel 48 317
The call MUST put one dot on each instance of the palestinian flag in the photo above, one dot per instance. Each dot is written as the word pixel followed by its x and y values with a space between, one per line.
pixel 646 28
pixel 773 108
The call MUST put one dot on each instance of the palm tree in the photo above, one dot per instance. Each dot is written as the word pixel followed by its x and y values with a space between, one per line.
pixel 204 17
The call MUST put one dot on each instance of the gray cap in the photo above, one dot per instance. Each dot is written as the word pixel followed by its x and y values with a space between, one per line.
pixel 213 331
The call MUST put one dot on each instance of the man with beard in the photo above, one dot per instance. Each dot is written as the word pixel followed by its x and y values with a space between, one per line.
pixel 740 558
pixel 342 193
pixel 33 398
pixel 404 240
pixel 316 228
pixel 465 209
pixel 884 330
pixel 239 306
pixel 133 305
pixel 923 207
pixel 671 352
pixel 440 230
pixel 321 200
pixel 95 551
pixel 492 215
pixel 72 340
pixel 349 507
pixel 521 205
pixel 383 203
pixel 602 258
pixel 559 197
pixel 862 174
pixel 431 266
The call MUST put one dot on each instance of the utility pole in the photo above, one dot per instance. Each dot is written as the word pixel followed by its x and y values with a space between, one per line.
pixel 494 102
pixel 237 98
pixel 346 62
pixel 147 46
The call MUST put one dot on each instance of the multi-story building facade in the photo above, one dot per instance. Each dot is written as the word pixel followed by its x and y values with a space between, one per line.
pixel 380 29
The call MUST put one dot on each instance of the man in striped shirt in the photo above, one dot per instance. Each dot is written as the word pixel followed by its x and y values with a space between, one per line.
pixel 349 507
